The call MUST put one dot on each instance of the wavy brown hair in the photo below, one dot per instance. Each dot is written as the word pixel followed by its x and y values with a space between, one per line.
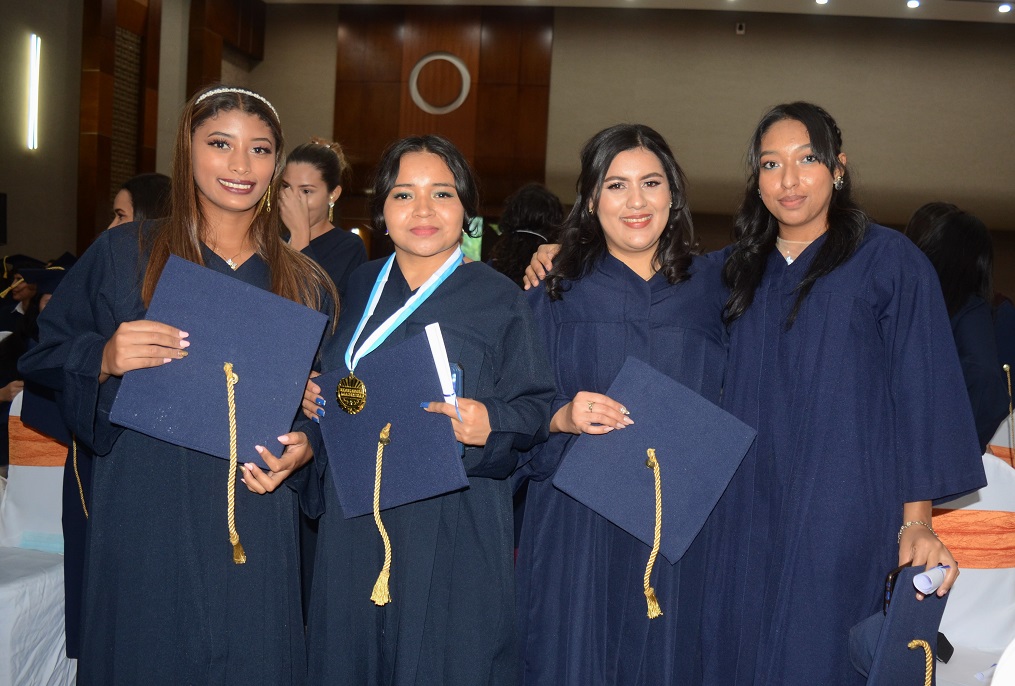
pixel 293 276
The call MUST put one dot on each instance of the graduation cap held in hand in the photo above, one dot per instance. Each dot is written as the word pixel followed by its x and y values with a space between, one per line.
pixel 898 646
pixel 242 380
pixel 659 478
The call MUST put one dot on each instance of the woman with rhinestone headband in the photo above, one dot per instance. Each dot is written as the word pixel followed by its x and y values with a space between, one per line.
pixel 163 600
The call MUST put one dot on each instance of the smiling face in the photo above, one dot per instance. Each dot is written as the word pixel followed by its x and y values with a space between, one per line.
pixel 123 208
pixel 307 179
pixel 233 155
pixel 422 212
pixel 634 207
pixel 795 185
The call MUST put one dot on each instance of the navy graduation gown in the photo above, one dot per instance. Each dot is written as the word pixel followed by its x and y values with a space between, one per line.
pixel 163 602
pixel 581 604
pixel 338 252
pixel 860 407
pixel 451 619
pixel 973 328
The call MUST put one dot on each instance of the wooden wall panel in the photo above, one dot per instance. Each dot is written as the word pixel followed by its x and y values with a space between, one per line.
pixel 214 24
pixel 501 125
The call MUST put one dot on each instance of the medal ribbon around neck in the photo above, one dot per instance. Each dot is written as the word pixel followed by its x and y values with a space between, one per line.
pixel 351 391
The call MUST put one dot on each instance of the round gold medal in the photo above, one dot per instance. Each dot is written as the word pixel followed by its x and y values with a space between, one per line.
pixel 351 394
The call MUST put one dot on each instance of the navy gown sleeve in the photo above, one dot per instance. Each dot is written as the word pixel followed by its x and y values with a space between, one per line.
pixel 517 404
pixel 74 329
pixel 934 438
pixel 541 461
pixel 973 327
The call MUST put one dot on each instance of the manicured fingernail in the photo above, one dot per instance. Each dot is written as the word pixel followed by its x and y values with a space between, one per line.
pixel 321 401
pixel 249 466
pixel 623 410
pixel 182 353
pixel 628 421
pixel 424 405
pixel 320 412
pixel 167 359
pixel 316 420
pixel 621 425
pixel 258 448
pixel 185 343
pixel 184 334
pixel 243 481
pixel 608 429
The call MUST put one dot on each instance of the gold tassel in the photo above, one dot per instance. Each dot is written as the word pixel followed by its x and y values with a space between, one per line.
pixel 239 555
pixel 14 284
pixel 381 594
pixel 77 475
pixel 928 676
pixel 1011 420
pixel 650 594
pixel 331 213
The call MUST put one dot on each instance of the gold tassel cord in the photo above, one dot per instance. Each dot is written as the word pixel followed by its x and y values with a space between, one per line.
pixel 77 475
pixel 1011 420
pixel 14 284
pixel 239 555
pixel 650 593
pixel 928 676
pixel 382 594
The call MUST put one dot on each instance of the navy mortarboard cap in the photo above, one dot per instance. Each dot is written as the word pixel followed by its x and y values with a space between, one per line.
pixel 242 380
pixel 696 445
pixel 423 458
pixel 65 260
pixel 40 411
pixel 45 280
pixel 15 263
pixel 269 341
pixel 899 646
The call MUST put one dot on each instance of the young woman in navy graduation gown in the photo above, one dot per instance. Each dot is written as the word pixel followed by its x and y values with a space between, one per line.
pixel 841 356
pixel 451 618
pixel 311 184
pixel 163 601
pixel 625 284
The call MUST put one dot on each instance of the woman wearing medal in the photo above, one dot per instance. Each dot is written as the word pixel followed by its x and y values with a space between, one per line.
pixel 452 618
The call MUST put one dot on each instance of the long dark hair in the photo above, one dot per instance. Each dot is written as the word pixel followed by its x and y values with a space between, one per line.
pixel 755 228
pixel 293 275
pixel 583 243
pixel 391 160
pixel 530 218
pixel 149 195
pixel 959 246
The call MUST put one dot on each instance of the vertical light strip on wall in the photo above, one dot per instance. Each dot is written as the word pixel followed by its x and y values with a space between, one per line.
pixel 35 55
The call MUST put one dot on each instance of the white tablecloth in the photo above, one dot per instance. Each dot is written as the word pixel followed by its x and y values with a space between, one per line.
pixel 32 638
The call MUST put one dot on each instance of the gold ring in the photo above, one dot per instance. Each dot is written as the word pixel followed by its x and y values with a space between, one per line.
pixel 590 404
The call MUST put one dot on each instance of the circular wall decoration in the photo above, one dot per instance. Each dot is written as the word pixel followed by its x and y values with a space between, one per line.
pixel 414 77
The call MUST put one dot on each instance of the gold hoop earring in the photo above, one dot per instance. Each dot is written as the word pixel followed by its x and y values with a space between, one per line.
pixel 331 212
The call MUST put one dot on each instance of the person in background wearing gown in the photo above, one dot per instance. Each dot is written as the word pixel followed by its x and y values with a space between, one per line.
pixel 451 618
pixel 163 600
pixel 840 356
pixel 530 218
pixel 624 284
pixel 142 197
pixel 311 184
pixel 959 246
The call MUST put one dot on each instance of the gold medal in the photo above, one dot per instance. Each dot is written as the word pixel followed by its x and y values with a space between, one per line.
pixel 351 394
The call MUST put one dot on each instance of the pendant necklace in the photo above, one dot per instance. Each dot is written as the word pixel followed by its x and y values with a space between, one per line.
pixel 788 248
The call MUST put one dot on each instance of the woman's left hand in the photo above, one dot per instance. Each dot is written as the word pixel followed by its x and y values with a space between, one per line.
pixel 921 547
pixel 295 214
pixel 296 454
pixel 474 426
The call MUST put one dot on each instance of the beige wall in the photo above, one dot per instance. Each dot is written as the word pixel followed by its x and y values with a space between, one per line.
pixel 298 70
pixel 926 107
pixel 172 77
pixel 41 185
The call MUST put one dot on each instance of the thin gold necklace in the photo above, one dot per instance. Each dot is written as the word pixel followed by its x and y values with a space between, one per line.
pixel 786 248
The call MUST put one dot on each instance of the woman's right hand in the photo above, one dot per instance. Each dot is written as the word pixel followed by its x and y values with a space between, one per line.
pixel 295 214
pixel 313 403
pixel 590 413
pixel 542 262
pixel 141 344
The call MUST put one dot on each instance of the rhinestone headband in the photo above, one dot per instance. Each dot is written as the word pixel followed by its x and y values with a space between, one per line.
pixel 242 91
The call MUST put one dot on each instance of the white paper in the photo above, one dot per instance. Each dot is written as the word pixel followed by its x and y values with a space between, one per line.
pixel 443 365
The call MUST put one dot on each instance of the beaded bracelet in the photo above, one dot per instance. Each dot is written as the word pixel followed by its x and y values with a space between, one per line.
pixel 909 524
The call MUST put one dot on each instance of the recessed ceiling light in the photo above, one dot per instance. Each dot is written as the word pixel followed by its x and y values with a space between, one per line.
pixel 821 2
pixel 913 4
pixel 1004 8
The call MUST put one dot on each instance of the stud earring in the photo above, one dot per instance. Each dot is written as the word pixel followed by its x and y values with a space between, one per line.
pixel 331 212
pixel 837 185
pixel 759 192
